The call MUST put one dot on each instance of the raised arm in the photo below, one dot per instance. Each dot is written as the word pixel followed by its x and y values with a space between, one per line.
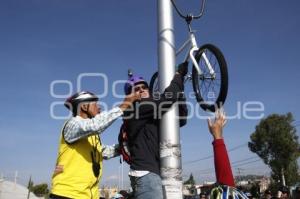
pixel 222 164
pixel 160 104
pixel 77 127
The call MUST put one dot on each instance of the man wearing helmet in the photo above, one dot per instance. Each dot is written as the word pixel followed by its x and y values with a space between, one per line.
pixel 79 163
pixel 142 124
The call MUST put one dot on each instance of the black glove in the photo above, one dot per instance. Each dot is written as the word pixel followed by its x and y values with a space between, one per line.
pixel 183 68
pixel 183 110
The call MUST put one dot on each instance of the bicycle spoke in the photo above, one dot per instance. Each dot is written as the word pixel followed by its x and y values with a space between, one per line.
pixel 210 88
pixel 218 84
pixel 205 87
pixel 215 62
pixel 209 84
pixel 214 66
pixel 214 93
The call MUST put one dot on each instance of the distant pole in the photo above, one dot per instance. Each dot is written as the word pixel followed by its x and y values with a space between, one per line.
pixel 239 177
pixel 170 152
pixel 1 180
pixel 119 177
pixel 122 171
pixel 16 176
pixel 29 187
pixel 282 177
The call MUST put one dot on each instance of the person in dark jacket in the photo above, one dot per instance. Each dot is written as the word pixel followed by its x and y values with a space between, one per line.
pixel 143 132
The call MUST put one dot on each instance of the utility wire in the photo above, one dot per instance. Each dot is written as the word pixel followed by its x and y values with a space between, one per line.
pixel 243 160
pixel 211 156
pixel 245 163
pixel 234 164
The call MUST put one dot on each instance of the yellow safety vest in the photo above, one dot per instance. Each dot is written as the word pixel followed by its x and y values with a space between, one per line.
pixel 77 179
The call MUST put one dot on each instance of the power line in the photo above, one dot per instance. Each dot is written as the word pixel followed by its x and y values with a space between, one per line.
pixel 244 160
pixel 238 147
pixel 245 163
pixel 230 150
pixel 211 156
pixel 197 160
pixel 234 164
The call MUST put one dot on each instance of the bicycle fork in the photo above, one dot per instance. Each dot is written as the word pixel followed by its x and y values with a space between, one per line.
pixel 203 55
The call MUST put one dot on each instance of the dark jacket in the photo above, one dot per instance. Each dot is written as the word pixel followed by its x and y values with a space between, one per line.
pixel 143 125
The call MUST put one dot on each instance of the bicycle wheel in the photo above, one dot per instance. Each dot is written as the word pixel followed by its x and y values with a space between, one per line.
pixel 153 87
pixel 211 92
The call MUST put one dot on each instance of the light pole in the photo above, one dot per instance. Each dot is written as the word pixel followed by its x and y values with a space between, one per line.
pixel 170 152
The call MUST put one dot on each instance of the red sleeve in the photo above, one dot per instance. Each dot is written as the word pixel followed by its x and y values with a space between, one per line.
pixel 222 164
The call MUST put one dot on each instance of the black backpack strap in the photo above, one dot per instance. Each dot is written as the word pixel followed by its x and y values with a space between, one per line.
pixel 183 111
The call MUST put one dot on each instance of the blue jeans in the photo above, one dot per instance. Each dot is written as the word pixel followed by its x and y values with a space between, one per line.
pixel 147 187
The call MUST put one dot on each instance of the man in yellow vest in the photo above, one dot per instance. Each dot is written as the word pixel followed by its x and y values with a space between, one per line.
pixel 79 163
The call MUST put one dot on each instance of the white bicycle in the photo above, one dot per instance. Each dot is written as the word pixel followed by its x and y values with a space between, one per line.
pixel 209 74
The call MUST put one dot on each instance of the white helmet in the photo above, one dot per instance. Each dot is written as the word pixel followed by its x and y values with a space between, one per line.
pixel 84 96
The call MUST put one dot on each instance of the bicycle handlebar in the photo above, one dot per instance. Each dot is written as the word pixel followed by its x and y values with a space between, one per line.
pixel 189 17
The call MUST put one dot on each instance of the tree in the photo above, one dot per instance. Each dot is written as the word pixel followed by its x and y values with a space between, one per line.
pixel 276 143
pixel 191 182
pixel 30 184
pixel 40 189
pixel 255 189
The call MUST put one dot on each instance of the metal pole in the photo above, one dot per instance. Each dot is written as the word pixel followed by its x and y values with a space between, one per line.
pixel 16 176
pixel 119 178
pixel 29 187
pixel 170 152
pixel 282 177
pixel 122 175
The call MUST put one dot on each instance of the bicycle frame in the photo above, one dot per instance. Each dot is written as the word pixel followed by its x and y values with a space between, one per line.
pixel 190 54
pixel 210 75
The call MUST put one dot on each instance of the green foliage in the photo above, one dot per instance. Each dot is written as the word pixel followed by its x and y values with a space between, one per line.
pixel 190 181
pixel 255 190
pixel 276 143
pixel 274 187
pixel 40 189
pixel 30 184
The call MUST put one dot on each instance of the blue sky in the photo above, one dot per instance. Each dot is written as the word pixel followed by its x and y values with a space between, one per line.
pixel 42 41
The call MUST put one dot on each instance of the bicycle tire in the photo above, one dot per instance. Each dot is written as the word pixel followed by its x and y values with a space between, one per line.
pixel 220 97
pixel 153 86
